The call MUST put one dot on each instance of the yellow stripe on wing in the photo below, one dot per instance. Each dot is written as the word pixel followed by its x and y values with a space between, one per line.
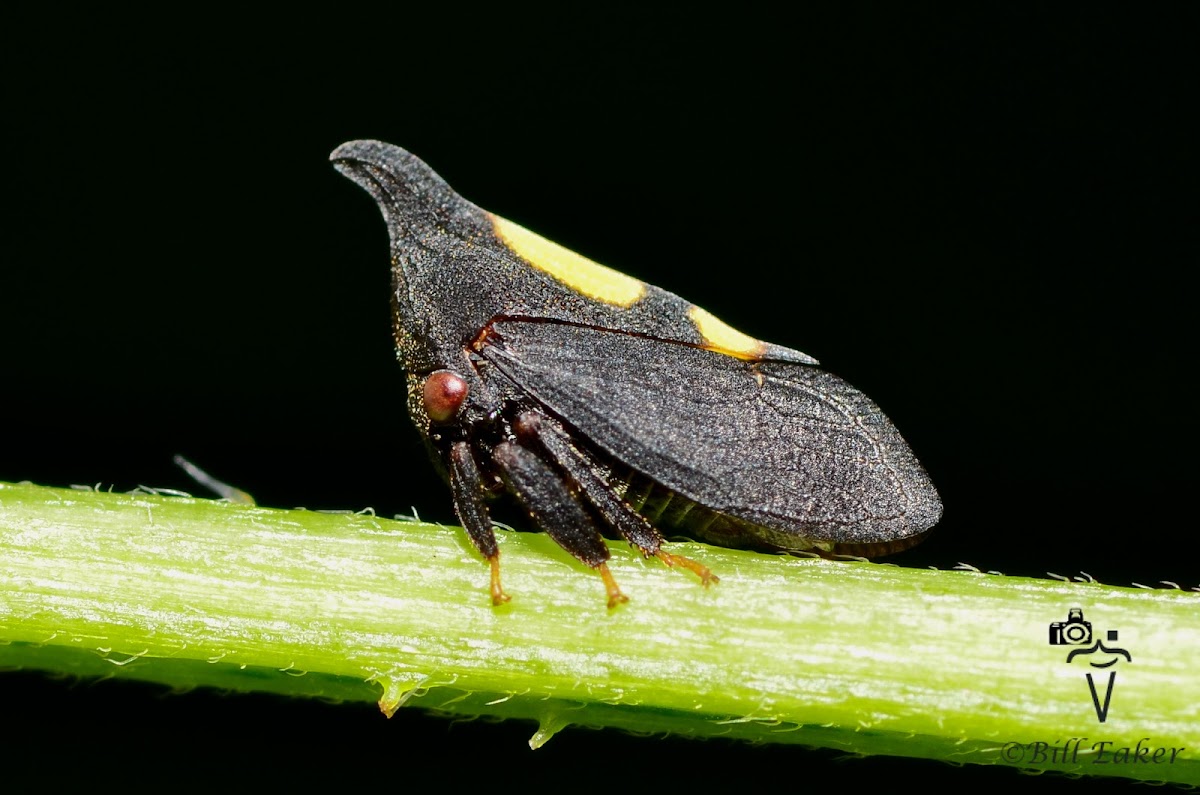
pixel 719 336
pixel 575 271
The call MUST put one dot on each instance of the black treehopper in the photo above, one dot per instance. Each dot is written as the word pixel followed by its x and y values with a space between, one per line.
pixel 602 403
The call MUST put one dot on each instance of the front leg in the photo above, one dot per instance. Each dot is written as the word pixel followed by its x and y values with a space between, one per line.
pixel 467 486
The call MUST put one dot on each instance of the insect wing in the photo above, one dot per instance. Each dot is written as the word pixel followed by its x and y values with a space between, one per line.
pixel 785 446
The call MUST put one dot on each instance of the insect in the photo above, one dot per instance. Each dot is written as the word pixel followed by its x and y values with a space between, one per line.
pixel 602 403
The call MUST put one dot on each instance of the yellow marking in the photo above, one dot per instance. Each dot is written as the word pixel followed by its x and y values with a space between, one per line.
pixel 577 272
pixel 719 336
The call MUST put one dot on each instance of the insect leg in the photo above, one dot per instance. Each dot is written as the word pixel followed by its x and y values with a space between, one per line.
pixel 555 509
pixel 632 526
pixel 467 486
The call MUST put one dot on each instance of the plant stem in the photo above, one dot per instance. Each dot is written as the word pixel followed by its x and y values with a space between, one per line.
pixel 868 658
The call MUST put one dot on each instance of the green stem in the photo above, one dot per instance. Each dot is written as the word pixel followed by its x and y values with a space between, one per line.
pixel 868 658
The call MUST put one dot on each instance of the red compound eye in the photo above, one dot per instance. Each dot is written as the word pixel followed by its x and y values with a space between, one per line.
pixel 444 392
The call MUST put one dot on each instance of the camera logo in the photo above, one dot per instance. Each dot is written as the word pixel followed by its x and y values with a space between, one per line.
pixel 1072 632
pixel 1078 633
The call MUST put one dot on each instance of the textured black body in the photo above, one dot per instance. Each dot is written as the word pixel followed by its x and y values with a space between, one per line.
pixel 590 395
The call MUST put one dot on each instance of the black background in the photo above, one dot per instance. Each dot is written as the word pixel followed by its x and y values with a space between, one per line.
pixel 987 223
